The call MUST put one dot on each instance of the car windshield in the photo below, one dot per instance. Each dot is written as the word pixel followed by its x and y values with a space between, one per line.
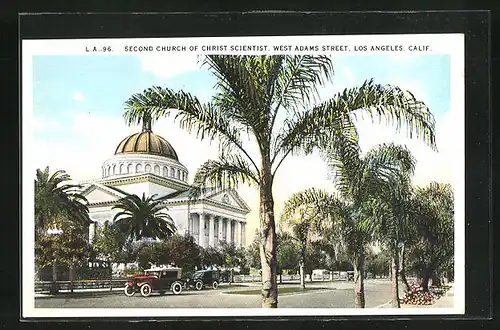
pixel 198 274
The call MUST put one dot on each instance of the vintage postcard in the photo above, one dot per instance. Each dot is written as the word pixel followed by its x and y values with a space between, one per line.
pixel 243 176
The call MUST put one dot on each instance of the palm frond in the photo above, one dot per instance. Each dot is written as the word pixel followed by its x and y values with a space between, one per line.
pixel 226 172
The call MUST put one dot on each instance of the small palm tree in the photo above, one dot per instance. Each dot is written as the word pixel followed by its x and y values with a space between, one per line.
pixel 304 216
pixel 272 102
pixel 361 181
pixel 55 197
pixel 143 217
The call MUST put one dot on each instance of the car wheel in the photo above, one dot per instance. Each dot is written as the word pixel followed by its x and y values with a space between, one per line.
pixel 198 285
pixel 146 290
pixel 215 284
pixel 176 288
pixel 129 291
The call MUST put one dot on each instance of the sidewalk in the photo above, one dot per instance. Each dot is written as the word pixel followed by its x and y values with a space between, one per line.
pixel 78 292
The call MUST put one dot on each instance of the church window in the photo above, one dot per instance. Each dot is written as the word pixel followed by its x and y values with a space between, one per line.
pixel 172 172
pixel 148 168
pixel 165 171
pixel 129 168
pixel 138 168
pixel 114 169
pixel 157 170
pixel 122 168
pixel 178 174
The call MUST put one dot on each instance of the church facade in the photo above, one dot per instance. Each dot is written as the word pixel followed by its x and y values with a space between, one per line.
pixel 147 163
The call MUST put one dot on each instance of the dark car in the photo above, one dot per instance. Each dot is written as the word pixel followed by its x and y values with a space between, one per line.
pixel 155 280
pixel 206 278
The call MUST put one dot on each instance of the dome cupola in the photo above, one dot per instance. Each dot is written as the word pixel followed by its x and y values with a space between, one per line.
pixel 146 142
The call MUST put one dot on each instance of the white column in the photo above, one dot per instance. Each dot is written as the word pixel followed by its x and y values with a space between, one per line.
pixel 91 232
pixel 201 237
pixel 238 235
pixel 228 230
pixel 211 232
pixel 220 230
pixel 243 234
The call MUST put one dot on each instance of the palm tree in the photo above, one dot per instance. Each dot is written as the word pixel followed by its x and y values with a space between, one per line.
pixel 361 180
pixel 390 207
pixel 304 216
pixel 58 204
pixel 143 217
pixel 55 197
pixel 272 102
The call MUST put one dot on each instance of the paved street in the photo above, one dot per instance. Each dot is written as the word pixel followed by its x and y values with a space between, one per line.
pixel 335 295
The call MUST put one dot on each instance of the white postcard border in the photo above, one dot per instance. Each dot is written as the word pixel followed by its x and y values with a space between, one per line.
pixel 451 44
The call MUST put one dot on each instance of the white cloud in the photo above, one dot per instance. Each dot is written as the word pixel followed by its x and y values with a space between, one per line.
pixel 44 125
pixel 93 139
pixel 170 65
pixel 78 96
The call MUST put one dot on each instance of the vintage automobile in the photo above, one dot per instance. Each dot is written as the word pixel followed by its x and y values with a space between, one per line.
pixel 159 280
pixel 204 278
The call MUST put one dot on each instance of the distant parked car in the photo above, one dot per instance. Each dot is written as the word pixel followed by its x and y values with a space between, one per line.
pixel 206 278
pixel 155 280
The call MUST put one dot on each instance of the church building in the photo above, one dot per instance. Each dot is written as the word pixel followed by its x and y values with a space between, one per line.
pixel 147 163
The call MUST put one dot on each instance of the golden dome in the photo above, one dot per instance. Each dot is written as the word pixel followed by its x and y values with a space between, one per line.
pixel 146 142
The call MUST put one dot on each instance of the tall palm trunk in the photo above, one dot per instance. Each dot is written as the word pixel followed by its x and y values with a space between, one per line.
pixel 394 281
pixel 302 268
pixel 269 242
pixel 54 278
pixel 359 286
pixel 402 269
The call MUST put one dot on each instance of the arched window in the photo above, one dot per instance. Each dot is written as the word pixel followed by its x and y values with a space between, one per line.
pixel 178 174
pixel 109 171
pixel 148 168
pixel 122 168
pixel 172 172
pixel 157 170
pixel 165 171
pixel 129 168
pixel 114 169
pixel 138 168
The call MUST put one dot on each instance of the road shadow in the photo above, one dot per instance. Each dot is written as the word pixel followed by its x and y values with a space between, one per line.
pixel 76 295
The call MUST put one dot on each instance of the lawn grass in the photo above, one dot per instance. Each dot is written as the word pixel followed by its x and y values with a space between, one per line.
pixel 280 291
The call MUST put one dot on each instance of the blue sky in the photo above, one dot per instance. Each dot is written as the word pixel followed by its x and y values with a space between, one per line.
pixel 105 82
pixel 78 108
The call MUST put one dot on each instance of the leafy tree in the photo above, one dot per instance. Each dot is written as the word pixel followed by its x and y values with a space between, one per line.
pixel 378 263
pixel 253 251
pixel 288 253
pixel 432 252
pixel 148 253
pixel 181 251
pixel 111 244
pixel 143 217
pixel 211 256
pixel 233 256
pixel 69 246
pixel 271 101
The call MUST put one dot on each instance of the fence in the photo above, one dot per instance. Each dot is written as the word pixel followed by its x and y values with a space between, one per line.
pixel 46 286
